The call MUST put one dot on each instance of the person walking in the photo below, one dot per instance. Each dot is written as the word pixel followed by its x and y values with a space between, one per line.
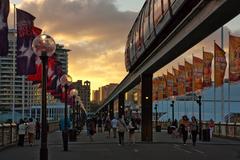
pixel 114 127
pixel 211 126
pixel 184 125
pixel 194 129
pixel 31 131
pixel 21 132
pixel 91 127
pixel 122 127
pixel 37 128
pixel 131 128
pixel 99 122
pixel 107 126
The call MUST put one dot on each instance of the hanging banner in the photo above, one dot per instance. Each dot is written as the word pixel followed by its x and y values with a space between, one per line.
pixel 4 11
pixel 163 86
pixel 220 65
pixel 234 59
pixel 207 69
pixel 188 76
pixel 181 80
pixel 175 82
pixel 170 78
pixel 197 73
pixel 154 90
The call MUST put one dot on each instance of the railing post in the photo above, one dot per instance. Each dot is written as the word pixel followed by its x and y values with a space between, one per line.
pixel 219 129
pixel 227 129
pixel 235 130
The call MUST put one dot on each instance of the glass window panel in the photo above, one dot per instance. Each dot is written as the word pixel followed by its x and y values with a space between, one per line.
pixel 157 11
pixel 165 6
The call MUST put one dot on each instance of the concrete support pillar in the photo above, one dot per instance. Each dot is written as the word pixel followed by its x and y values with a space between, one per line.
pixel 121 105
pixel 111 109
pixel 146 100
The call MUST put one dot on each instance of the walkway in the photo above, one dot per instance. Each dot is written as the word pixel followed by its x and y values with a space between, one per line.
pixel 164 146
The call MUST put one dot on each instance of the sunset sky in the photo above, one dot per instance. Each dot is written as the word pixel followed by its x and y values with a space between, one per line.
pixel 96 32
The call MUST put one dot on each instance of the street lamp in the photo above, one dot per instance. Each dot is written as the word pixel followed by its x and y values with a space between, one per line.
pixel 78 111
pixel 73 93
pixel 199 102
pixel 172 105
pixel 44 46
pixel 65 81
pixel 156 115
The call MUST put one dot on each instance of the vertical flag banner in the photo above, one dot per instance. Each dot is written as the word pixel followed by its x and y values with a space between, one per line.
pixel 4 11
pixel 163 86
pixel 234 59
pixel 181 80
pixel 197 73
pixel 207 69
pixel 188 76
pixel 170 78
pixel 25 55
pixel 154 90
pixel 175 82
pixel 220 65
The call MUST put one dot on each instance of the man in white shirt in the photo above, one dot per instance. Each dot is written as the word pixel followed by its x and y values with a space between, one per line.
pixel 114 127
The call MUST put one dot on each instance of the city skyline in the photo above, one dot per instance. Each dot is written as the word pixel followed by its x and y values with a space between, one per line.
pixel 97 41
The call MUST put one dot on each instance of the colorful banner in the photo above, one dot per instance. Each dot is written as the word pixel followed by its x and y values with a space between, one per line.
pixel 188 76
pixel 162 87
pixel 170 78
pixel 207 69
pixel 155 89
pixel 4 11
pixel 234 59
pixel 175 82
pixel 181 80
pixel 25 55
pixel 197 73
pixel 220 65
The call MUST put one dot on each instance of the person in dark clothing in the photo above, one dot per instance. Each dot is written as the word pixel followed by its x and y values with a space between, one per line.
pixel 37 127
pixel 194 130
pixel 99 122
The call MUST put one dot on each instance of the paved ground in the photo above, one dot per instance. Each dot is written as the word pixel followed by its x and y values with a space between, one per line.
pixel 164 147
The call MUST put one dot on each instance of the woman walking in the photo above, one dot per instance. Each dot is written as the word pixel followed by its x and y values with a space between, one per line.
pixel 131 127
pixel 194 130
pixel 21 132
pixel 122 127
pixel 184 125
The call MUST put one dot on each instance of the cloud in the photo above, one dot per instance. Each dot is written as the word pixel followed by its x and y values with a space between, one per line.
pixel 94 30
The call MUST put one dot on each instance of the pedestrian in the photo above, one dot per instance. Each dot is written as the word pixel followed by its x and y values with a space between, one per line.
pixel 91 127
pixel 114 127
pixel 99 122
pixel 211 126
pixel 107 126
pixel 131 128
pixel 21 132
pixel 31 131
pixel 122 127
pixel 184 125
pixel 37 128
pixel 194 129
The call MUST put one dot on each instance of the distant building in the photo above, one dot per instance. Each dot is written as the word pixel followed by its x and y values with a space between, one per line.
pixel 96 96
pixel 62 56
pixel 105 91
pixel 83 92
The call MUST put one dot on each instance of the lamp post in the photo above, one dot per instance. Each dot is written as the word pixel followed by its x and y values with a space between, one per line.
pixel 199 102
pixel 65 81
pixel 156 116
pixel 44 46
pixel 172 105
pixel 73 93
pixel 78 111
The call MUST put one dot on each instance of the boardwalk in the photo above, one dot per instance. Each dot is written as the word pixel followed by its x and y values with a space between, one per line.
pixel 102 148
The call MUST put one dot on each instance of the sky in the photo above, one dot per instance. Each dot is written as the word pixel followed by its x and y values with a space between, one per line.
pixel 94 30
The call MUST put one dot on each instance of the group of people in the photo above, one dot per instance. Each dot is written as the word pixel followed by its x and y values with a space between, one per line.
pixel 28 128
pixel 187 126
pixel 119 126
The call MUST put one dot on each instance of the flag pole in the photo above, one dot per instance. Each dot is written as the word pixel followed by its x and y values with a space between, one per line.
pixel 14 63
pixel 229 109
pixel 222 88
pixel 192 88
pixel 214 89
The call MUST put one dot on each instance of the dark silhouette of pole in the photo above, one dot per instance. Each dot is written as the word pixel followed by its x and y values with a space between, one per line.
pixel 44 149
pixel 78 114
pixel 74 111
pixel 156 116
pixel 65 132
pixel 172 105
pixel 200 116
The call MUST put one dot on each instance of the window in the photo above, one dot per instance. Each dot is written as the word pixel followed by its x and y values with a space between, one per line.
pixel 157 5
pixel 165 6
pixel 146 29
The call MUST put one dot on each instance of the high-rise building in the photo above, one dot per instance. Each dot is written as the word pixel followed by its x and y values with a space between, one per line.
pixel 62 56
pixel 83 92
pixel 96 96
pixel 105 91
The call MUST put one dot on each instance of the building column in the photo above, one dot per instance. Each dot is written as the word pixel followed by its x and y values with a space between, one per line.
pixel 121 105
pixel 146 100
pixel 111 109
